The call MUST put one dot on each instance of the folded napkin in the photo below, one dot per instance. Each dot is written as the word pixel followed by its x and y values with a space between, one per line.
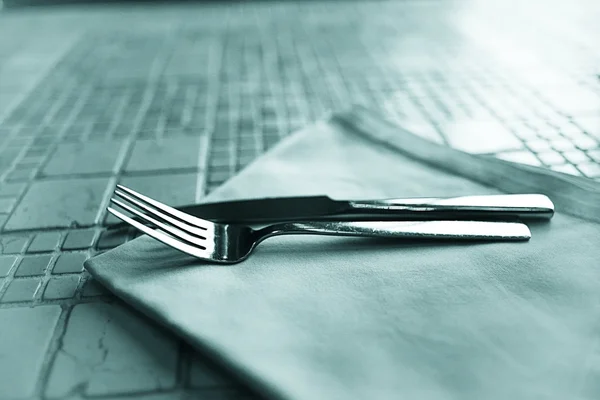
pixel 313 317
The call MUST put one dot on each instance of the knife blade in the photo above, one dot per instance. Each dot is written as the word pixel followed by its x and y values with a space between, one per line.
pixel 281 209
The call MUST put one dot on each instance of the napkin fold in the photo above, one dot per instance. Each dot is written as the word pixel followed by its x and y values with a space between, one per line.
pixel 313 317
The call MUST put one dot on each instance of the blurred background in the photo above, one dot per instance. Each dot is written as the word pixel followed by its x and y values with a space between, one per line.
pixel 173 98
pixel 508 78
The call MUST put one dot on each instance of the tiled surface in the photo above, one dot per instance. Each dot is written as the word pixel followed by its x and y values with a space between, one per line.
pixel 33 265
pixel 13 244
pixel 79 239
pixel 6 264
pixel 6 205
pixel 174 99
pixel 175 189
pixel 69 263
pixel 167 154
pixel 110 239
pixel 481 137
pixel 63 287
pixel 20 290
pixel 85 158
pixel 21 364
pixel 105 351
pixel 44 242
pixel 59 203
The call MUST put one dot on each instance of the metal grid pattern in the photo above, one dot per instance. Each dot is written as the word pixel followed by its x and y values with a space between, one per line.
pixel 234 88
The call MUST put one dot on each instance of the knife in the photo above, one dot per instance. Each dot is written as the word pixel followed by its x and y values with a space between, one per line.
pixel 281 209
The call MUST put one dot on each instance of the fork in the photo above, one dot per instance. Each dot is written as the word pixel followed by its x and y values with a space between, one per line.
pixel 233 243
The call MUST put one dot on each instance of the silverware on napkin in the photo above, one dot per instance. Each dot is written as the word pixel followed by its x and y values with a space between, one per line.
pixel 231 243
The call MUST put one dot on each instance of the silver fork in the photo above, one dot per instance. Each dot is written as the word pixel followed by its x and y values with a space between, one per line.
pixel 229 243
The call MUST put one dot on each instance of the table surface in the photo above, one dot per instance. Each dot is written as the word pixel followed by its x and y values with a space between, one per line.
pixel 172 100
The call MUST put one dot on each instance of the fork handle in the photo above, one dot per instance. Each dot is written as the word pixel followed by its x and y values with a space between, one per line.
pixel 435 229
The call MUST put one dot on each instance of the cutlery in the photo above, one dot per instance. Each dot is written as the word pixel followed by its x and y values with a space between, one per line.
pixel 280 209
pixel 232 243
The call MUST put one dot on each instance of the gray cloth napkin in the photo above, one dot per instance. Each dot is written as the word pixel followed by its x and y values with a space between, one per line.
pixel 312 317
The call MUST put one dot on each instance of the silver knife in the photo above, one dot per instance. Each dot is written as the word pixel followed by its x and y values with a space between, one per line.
pixel 280 209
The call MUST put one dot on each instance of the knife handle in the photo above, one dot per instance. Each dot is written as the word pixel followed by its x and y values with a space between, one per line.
pixel 527 206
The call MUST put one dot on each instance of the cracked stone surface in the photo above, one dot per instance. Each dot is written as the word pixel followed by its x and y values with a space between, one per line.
pixel 108 349
pixel 32 329
pixel 59 203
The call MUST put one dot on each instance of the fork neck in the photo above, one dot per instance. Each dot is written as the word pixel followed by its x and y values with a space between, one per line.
pixel 334 228
pixel 275 230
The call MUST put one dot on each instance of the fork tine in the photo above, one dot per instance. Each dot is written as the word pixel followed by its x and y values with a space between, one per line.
pixel 201 223
pixel 169 229
pixel 165 217
pixel 160 236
